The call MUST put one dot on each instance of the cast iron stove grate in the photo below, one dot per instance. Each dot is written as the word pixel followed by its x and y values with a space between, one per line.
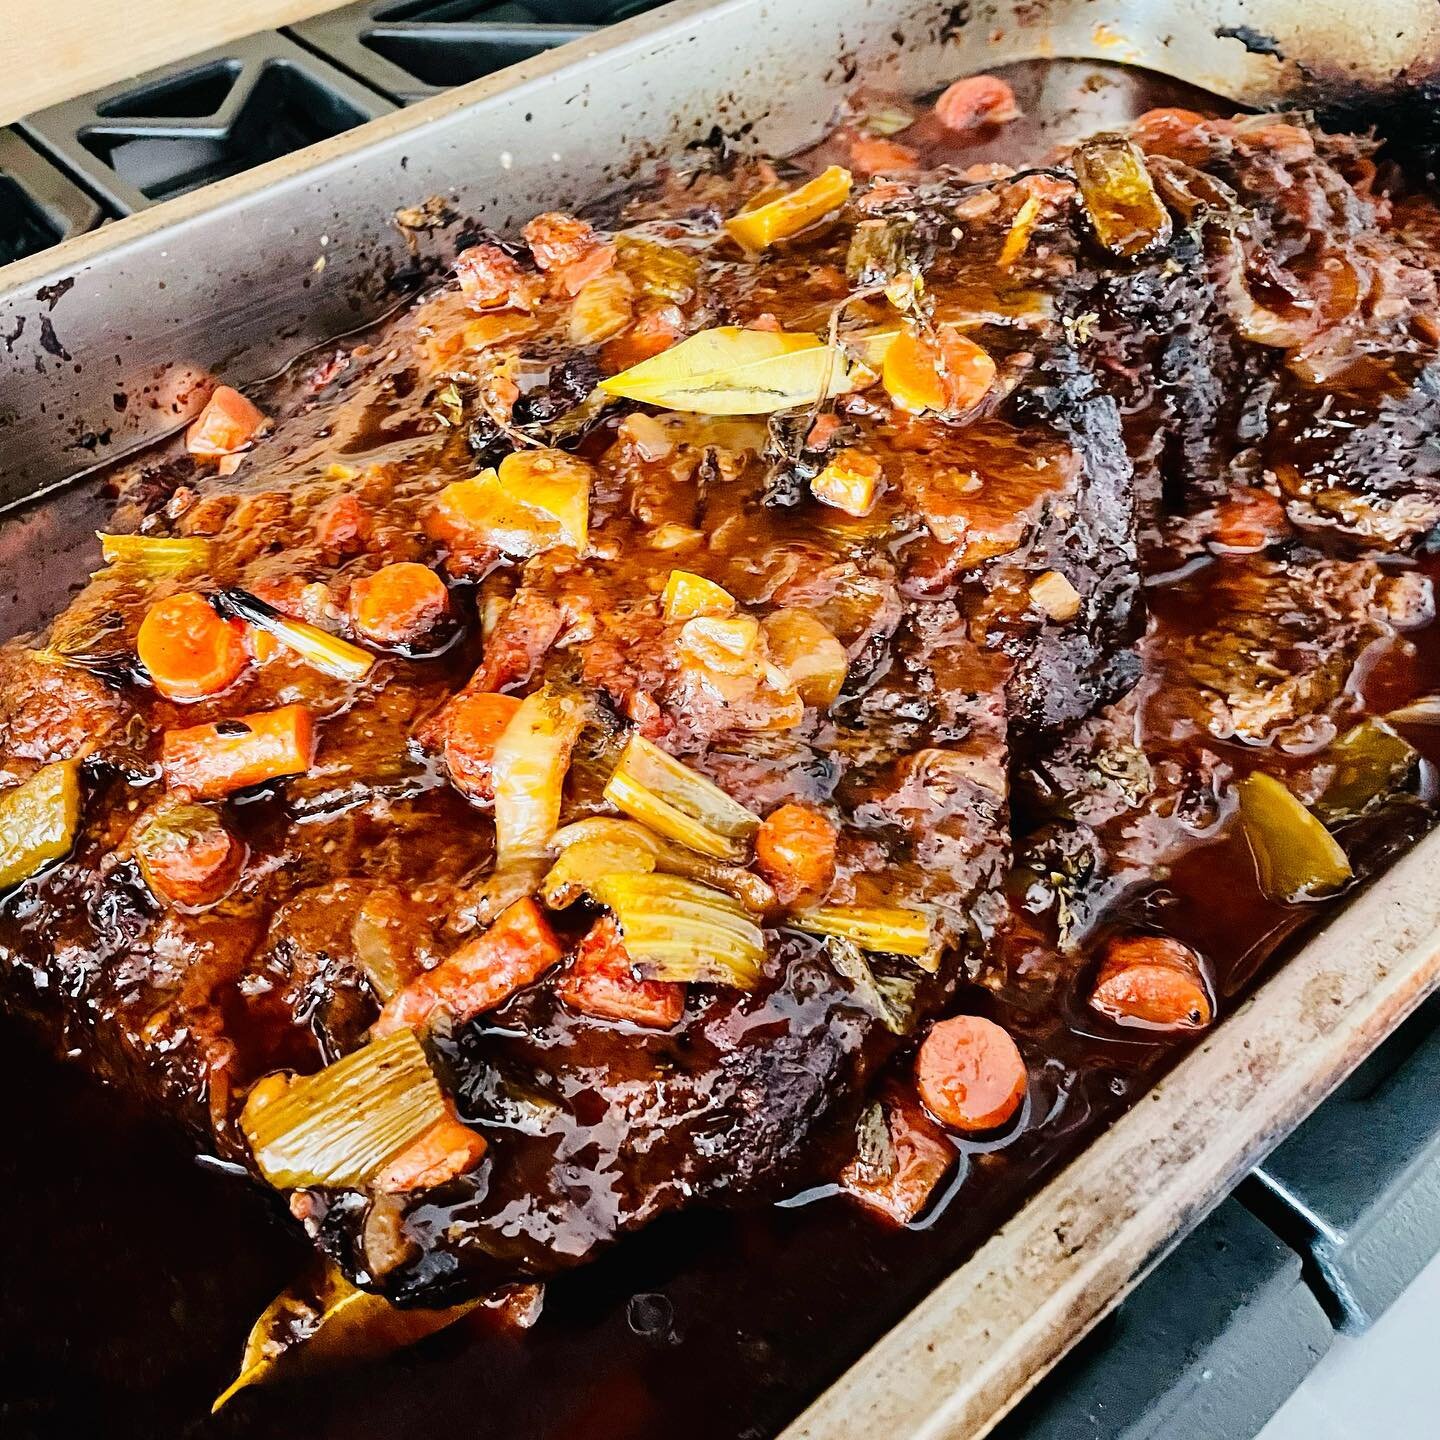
pixel 199 120
pixel 39 206
pixel 411 49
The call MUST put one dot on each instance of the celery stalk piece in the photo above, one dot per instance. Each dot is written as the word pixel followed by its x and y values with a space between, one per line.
pixel 677 929
pixel 582 864
pixel 678 804
pixel 339 1126
pixel 884 929
pixel 39 821
pixel 159 555
pixel 754 893
pixel 322 651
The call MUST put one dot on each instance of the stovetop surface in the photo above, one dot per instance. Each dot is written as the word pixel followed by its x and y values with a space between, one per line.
pixel 185 125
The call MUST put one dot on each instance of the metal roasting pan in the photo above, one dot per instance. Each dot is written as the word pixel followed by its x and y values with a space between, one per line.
pixel 105 336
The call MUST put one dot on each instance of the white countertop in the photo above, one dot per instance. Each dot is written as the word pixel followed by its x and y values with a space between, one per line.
pixel 1382 1385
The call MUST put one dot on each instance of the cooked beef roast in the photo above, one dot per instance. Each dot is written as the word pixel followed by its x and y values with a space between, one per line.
pixel 1091 511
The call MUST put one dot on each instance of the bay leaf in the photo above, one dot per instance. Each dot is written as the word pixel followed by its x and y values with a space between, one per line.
pixel 324 1322
pixel 732 371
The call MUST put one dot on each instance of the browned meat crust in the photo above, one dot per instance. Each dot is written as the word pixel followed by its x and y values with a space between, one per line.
pixel 989 606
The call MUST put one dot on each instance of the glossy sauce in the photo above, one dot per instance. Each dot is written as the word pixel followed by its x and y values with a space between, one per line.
pixel 133 1275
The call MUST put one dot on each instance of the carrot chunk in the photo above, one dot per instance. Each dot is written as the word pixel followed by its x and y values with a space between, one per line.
pixel 227 424
pixel 944 371
pixel 971 1074
pixel 470 727
pixel 492 279
pixel 212 761
pixel 874 155
pixel 600 982
pixel 976 101
pixel 344 523
pixel 594 263
pixel 1154 982
pixel 188 651
pixel 1250 519
pixel 483 973
pixel 568 249
pixel 447 1149
pixel 897 1171
pixel 795 852
pixel 644 340
pixel 399 604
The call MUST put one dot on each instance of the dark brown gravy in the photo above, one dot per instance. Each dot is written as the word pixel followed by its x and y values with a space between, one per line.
pixel 132 1274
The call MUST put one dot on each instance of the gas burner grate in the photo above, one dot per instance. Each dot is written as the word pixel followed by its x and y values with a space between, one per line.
pixel 39 207
pixel 411 49
pixel 200 120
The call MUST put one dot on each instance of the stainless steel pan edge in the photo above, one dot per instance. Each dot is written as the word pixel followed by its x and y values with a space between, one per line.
pixel 988 1333
pixel 104 338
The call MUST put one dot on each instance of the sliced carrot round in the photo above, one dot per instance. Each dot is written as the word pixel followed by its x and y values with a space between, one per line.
pixel 188 651
pixel 187 855
pixel 795 852
pixel 944 371
pixel 473 725
pixel 970 1074
pixel 1152 981
pixel 975 101
pixel 399 604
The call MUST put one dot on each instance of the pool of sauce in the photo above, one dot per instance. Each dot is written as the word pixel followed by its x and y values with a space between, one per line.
pixel 132 1273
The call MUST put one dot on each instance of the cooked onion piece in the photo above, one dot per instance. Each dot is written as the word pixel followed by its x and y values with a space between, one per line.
pixel 1119 196
pixel 763 225
pixel 806 649
pixel 531 760
pixel 687 595
pixel 157 555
